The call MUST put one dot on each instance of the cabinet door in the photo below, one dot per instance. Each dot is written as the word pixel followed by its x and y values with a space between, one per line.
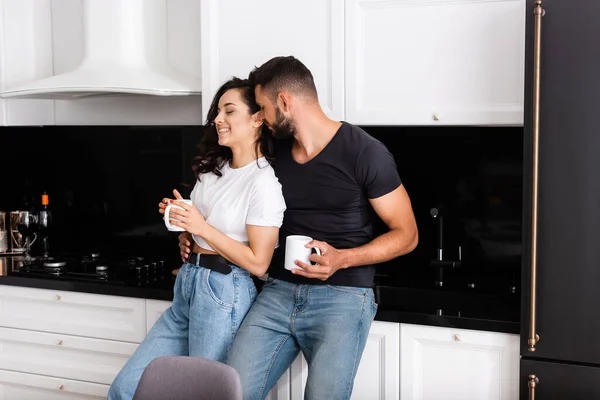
pixel 25 56
pixel 154 309
pixel 431 62
pixel 560 381
pixel 238 35
pixel 378 374
pixel 282 389
pixel 567 242
pixel 18 386
pixel 456 364
pixel 72 313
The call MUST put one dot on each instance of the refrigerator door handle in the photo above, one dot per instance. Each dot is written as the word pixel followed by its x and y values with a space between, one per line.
pixel 532 383
pixel 539 12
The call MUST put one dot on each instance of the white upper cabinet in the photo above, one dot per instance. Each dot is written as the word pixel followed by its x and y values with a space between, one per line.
pixel 375 62
pixel 435 62
pixel 25 55
pixel 238 35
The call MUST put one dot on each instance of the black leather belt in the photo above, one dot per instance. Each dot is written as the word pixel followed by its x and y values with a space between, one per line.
pixel 211 261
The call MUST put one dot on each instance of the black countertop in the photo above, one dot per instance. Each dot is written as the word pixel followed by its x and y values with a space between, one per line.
pixel 388 311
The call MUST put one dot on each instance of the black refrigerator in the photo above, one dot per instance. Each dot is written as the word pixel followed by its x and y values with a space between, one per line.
pixel 561 257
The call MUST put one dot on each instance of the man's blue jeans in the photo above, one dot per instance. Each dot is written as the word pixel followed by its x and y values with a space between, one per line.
pixel 208 308
pixel 329 324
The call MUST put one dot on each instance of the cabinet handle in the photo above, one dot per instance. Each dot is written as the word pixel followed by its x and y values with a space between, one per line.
pixel 539 12
pixel 58 297
pixel 533 381
pixel 457 338
pixel 436 117
pixel 61 387
pixel 60 342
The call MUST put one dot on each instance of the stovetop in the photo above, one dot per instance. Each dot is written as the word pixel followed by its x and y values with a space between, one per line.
pixel 137 271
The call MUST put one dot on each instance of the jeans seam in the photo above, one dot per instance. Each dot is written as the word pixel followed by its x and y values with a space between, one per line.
pixel 360 323
pixel 266 378
pixel 184 280
pixel 233 309
pixel 339 289
pixel 305 304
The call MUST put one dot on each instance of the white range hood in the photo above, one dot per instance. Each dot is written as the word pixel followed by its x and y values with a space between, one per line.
pixel 125 52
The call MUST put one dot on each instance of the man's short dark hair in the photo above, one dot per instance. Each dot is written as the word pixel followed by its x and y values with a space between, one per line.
pixel 284 74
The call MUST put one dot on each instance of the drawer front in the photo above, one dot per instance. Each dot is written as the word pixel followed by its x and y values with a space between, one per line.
pixel 84 359
pixel 72 313
pixel 19 386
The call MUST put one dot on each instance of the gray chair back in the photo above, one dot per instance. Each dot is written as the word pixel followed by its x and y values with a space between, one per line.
pixel 188 378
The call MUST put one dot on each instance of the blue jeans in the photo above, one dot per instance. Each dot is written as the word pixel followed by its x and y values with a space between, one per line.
pixel 208 308
pixel 329 324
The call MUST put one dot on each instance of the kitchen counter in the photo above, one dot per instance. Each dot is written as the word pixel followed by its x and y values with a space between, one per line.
pixel 164 291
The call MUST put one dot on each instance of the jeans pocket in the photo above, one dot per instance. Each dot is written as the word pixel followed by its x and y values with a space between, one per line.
pixel 220 288
pixel 375 306
pixel 357 291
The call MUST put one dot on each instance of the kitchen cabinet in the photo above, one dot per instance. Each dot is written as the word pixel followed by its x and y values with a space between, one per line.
pixel 25 55
pixel 74 357
pixel 564 269
pixel 238 35
pixel 555 380
pixel 20 386
pixel 434 62
pixel 64 345
pixel 72 345
pixel 154 309
pixel 72 313
pixel 446 364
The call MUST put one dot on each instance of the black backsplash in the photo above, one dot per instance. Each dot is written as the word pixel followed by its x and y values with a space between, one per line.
pixel 105 183
pixel 475 175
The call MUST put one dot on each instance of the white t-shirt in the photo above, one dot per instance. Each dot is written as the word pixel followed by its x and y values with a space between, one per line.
pixel 250 195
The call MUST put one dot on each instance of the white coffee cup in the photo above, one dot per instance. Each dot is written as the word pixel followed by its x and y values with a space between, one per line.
pixel 295 250
pixel 170 227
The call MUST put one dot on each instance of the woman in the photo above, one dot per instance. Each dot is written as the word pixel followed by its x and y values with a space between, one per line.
pixel 234 221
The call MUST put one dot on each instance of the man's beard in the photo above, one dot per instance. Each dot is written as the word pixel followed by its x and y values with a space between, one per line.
pixel 283 128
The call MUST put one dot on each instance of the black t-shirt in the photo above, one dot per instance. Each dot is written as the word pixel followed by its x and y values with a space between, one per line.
pixel 327 198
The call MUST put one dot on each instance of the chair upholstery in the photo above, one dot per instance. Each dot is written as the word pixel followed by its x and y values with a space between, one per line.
pixel 188 378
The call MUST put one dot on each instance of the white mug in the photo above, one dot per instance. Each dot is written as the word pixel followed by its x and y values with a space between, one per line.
pixel 295 250
pixel 170 227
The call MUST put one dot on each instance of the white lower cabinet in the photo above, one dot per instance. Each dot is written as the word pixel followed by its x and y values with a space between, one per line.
pixel 379 369
pixel 72 313
pixel 73 357
pixel 20 386
pixel 154 309
pixel 67 345
pixel 457 364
